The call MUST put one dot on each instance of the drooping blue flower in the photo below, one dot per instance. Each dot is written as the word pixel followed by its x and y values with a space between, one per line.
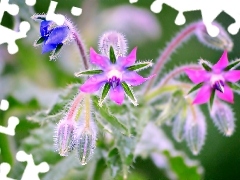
pixel 52 36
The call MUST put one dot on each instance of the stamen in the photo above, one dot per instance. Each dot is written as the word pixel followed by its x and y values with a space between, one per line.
pixel 219 85
pixel 114 82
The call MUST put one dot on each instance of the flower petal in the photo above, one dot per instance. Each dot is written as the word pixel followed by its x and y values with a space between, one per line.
pixel 99 60
pixel 48 47
pixel 134 79
pixel 93 84
pixel 222 63
pixel 58 35
pixel 232 75
pixel 129 60
pixel 117 94
pixel 196 76
pixel 203 95
pixel 227 95
pixel 44 27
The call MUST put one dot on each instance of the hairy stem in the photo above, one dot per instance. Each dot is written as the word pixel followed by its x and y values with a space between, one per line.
pixel 87 111
pixel 172 46
pixel 162 87
pixel 77 100
pixel 80 44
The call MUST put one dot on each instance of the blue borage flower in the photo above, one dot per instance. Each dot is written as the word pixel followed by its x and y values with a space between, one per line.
pixel 52 37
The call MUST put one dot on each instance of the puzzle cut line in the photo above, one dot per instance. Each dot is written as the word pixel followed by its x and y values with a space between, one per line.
pixel 209 10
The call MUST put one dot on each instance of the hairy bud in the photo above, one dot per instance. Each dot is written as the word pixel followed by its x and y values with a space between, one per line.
pixel 223 118
pixel 178 126
pixel 64 137
pixel 195 130
pixel 115 40
pixel 85 141
pixel 222 41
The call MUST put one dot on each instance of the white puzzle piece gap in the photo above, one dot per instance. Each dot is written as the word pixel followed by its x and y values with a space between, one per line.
pixel 4 170
pixel 76 11
pixel 51 16
pixel 10 129
pixel 30 2
pixel 8 35
pixel 4 105
pixel 31 171
pixel 133 1
pixel 209 9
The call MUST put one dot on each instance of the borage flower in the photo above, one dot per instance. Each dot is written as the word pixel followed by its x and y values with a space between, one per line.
pixel 116 75
pixel 219 77
pixel 52 36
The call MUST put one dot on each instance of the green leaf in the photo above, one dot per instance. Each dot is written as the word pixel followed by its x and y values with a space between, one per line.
pixel 234 86
pixel 105 91
pixel 55 112
pixel 129 93
pixel 179 166
pixel 106 115
pixel 112 55
pixel 120 158
pixel 232 65
pixel 206 66
pixel 139 66
pixel 194 88
pixel 89 72
pixel 212 98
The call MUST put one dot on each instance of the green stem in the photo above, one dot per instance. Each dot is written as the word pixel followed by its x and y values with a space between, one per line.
pixel 5 149
pixel 155 92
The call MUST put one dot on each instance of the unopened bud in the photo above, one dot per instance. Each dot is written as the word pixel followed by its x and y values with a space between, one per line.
pixel 85 140
pixel 178 126
pixel 222 41
pixel 223 118
pixel 115 40
pixel 195 130
pixel 64 137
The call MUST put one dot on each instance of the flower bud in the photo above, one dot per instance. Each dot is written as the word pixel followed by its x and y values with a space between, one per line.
pixel 114 39
pixel 222 41
pixel 178 126
pixel 85 141
pixel 195 130
pixel 64 137
pixel 223 118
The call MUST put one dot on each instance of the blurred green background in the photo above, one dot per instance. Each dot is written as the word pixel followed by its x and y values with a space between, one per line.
pixel 28 77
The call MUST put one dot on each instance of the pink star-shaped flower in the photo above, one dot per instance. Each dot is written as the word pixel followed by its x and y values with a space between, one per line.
pixel 216 78
pixel 115 75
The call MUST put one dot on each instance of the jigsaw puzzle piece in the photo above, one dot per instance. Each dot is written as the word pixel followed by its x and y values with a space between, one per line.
pixel 31 171
pixel 12 9
pixel 4 105
pixel 10 130
pixel 51 16
pixel 4 170
pixel 11 36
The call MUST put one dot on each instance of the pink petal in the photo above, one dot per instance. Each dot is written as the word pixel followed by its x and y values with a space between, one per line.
pixel 232 75
pixel 129 60
pixel 117 95
pixel 93 83
pixel 133 78
pixel 98 59
pixel 227 95
pixel 203 95
pixel 222 63
pixel 196 76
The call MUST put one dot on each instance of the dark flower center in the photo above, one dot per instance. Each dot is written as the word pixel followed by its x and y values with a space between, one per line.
pixel 219 85
pixel 114 82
